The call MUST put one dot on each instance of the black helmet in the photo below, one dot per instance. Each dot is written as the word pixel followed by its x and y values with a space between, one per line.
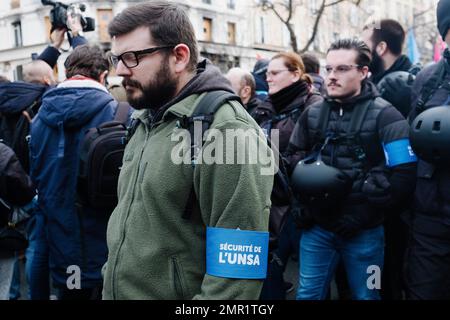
pixel 395 77
pixel 313 180
pixel 430 135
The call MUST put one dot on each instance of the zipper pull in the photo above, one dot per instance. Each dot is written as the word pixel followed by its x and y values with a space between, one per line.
pixel 341 112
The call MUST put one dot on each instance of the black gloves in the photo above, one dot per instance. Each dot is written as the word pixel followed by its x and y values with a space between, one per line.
pixel 377 189
pixel 398 92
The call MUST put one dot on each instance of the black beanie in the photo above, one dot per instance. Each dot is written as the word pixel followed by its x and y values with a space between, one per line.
pixel 443 17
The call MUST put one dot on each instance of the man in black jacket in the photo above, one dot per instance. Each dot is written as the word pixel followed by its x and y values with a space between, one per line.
pixel 386 41
pixel 374 169
pixel 427 265
pixel 16 189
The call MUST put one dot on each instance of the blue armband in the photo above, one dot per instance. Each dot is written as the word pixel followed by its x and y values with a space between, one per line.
pixel 238 254
pixel 399 152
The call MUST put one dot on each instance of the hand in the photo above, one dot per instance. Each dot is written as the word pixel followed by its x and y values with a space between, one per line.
pixel 57 37
pixel 377 189
pixel 398 93
pixel 74 24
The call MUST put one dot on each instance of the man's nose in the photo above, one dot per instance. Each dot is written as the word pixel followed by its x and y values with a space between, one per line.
pixel 331 76
pixel 122 70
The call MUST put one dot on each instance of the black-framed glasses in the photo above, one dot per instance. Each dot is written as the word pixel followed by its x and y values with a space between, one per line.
pixel 343 68
pixel 131 58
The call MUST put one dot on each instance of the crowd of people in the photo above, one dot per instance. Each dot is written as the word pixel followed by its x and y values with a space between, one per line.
pixel 348 197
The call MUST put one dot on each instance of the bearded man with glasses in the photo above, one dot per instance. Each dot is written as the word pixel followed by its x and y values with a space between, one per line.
pixel 363 140
pixel 155 251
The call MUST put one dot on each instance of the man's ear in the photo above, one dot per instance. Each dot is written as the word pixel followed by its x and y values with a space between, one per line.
pixel 102 77
pixel 364 73
pixel 182 55
pixel 381 48
pixel 246 90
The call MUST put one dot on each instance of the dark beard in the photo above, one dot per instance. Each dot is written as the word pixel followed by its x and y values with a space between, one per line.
pixel 376 66
pixel 157 92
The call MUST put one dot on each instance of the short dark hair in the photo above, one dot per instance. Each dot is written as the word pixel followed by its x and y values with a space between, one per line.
pixel 364 57
pixel 168 24
pixel 389 31
pixel 311 62
pixel 86 60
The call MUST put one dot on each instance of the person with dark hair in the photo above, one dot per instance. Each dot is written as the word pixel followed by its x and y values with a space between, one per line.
pixel 244 86
pixel 4 79
pixel 171 216
pixel 385 39
pixel 391 73
pixel 76 233
pixel 312 67
pixel 344 182
pixel 427 259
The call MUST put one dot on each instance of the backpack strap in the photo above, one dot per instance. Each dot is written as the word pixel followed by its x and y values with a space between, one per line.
pixel 322 123
pixel 122 112
pixel 203 115
pixel 354 129
pixel 357 119
pixel 431 85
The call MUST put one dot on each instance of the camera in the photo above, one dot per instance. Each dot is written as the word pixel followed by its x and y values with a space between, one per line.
pixel 58 15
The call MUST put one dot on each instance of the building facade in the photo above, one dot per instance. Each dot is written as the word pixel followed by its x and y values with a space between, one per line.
pixel 230 32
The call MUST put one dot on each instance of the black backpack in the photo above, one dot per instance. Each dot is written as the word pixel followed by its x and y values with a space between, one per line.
pixel 101 156
pixel 15 131
pixel 204 112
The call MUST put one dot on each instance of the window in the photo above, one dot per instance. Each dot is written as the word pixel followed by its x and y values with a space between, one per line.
pixel 231 4
pixel 17 28
pixel 313 6
pixel 231 33
pixel 104 17
pixel 354 17
pixel 336 13
pixel 262 24
pixel 207 29
pixel 206 1
pixel 18 73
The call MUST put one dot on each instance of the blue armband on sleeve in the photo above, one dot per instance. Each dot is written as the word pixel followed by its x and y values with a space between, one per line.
pixel 238 254
pixel 399 152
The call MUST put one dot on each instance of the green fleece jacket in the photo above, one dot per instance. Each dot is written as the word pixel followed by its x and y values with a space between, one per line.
pixel 153 252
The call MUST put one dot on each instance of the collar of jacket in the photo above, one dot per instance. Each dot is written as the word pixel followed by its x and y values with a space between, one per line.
pixel 286 98
pixel 180 109
pixel 82 83
pixel 401 64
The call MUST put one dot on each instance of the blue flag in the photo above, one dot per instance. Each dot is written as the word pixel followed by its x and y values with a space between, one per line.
pixel 413 50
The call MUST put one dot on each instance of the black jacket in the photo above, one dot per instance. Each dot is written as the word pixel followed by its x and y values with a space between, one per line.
pixel 398 93
pixel 15 185
pixel 382 124
pixel 266 112
pixel 432 196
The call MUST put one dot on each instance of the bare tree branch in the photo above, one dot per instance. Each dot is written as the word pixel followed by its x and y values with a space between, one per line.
pixel 290 7
pixel 315 27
